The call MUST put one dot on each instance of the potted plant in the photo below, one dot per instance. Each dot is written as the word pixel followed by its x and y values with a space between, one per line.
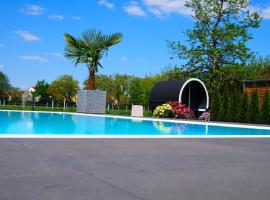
pixel 89 49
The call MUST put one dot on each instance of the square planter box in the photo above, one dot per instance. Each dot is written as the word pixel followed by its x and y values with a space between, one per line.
pixel 91 101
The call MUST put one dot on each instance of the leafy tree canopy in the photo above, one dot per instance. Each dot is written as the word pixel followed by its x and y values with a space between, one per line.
pixel 65 87
pixel 219 35
pixel 89 49
pixel 41 89
pixel 4 84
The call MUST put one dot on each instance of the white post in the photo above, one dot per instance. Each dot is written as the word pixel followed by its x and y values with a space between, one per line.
pixel 64 104
pixel 52 104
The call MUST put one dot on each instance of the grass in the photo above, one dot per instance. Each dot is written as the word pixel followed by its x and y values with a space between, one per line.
pixel 127 112
pixel 37 108
pixel 44 108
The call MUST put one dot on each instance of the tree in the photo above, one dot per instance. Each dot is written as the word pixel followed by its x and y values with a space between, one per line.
pixel 121 87
pixel 15 95
pixel 90 49
pixel 265 109
pixel 177 73
pixel 103 82
pixel 254 108
pixel 219 35
pixel 234 106
pixel 136 91
pixel 215 106
pixel 4 85
pixel 64 88
pixel 227 79
pixel 244 108
pixel 41 89
pixel 225 106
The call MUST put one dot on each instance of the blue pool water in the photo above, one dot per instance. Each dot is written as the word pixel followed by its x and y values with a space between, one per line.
pixel 58 123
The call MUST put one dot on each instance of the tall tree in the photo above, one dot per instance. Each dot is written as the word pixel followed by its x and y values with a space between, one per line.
pixel 65 87
pixel 89 49
pixel 4 85
pixel 219 35
pixel 41 89
pixel 244 108
pixel 136 91
pixel 265 109
pixel 254 108
pixel 121 88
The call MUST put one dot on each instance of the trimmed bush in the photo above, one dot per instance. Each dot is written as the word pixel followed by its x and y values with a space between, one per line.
pixel 254 108
pixel 234 107
pixel 265 109
pixel 244 109
pixel 216 107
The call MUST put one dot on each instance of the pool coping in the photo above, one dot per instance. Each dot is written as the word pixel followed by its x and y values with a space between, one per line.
pixel 223 124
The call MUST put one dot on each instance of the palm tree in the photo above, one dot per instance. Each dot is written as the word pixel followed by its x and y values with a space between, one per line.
pixel 90 49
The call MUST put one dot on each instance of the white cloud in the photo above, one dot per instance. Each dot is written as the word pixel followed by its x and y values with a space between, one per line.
pixel 56 17
pixel 263 11
pixel 134 9
pixel 32 10
pixel 76 18
pixel 26 36
pixel 106 3
pixel 34 58
pixel 166 7
pixel 124 58
pixel 1 66
pixel 57 54
pixel 266 13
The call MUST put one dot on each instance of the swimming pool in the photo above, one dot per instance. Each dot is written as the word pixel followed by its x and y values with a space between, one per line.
pixel 35 124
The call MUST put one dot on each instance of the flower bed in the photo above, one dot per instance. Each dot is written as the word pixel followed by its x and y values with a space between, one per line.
pixel 174 109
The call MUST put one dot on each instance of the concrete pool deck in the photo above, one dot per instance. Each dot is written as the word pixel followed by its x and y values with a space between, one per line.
pixel 135 169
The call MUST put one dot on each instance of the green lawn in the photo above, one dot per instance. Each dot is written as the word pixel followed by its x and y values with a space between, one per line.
pixel 127 112
pixel 44 108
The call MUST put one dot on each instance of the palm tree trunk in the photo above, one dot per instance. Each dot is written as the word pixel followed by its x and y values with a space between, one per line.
pixel 91 79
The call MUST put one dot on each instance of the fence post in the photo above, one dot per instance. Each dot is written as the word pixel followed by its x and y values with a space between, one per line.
pixel 52 104
pixel 4 102
pixel 64 104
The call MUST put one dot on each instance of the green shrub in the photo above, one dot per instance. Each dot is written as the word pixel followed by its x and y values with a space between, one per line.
pixel 265 109
pixel 215 107
pixel 244 108
pixel 224 116
pixel 254 108
pixel 234 108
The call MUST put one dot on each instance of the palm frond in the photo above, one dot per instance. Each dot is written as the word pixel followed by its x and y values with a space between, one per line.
pixel 90 47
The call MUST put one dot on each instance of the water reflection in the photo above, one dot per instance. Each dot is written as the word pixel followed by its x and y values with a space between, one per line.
pixel 169 128
pixel 58 123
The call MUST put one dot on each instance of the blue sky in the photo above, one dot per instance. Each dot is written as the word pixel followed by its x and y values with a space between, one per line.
pixel 32 43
